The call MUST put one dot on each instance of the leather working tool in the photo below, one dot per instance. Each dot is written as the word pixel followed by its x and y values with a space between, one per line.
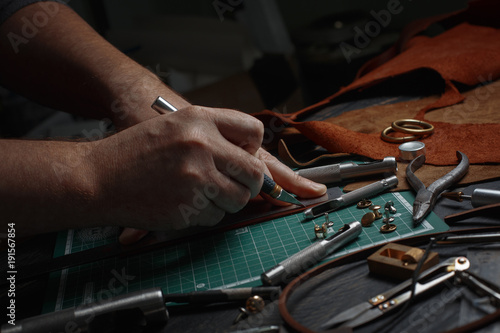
pixel 383 303
pixel 426 197
pixel 306 284
pixel 123 312
pixel 289 268
pixel 269 187
pixel 335 173
pixel 351 197
pixel 479 197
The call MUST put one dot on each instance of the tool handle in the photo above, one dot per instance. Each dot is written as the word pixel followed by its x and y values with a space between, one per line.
pixel 223 295
pixel 482 197
pixel 324 174
pixel 128 309
pixel 270 187
pixel 298 263
pixel 335 173
pixel 481 286
pixel 369 190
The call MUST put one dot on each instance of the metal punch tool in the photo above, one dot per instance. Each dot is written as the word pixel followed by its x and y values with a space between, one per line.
pixel 426 197
pixel 336 173
pixel 386 302
pixel 351 197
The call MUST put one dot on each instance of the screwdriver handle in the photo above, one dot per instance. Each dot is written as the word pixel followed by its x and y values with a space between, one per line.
pixel 124 310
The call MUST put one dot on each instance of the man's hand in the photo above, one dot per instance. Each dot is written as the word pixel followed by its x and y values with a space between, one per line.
pixel 186 169
pixel 178 170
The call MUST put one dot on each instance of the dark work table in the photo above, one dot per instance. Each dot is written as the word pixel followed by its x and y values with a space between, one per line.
pixel 338 289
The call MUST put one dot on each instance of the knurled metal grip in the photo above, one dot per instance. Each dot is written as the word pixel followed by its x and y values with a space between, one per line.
pixel 336 173
pixel 90 317
pixel 298 263
pixel 270 187
pixel 369 190
pixel 324 174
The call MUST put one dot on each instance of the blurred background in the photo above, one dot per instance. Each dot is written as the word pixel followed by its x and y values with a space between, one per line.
pixel 248 55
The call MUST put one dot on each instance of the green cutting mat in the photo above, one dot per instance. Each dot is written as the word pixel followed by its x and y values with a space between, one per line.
pixel 232 259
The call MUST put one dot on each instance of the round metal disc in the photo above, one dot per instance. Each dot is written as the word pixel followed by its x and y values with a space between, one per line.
pixel 368 219
pixel 386 228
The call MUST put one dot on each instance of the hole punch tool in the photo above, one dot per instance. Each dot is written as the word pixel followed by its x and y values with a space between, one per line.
pixel 351 197
pixel 426 197
pixel 386 302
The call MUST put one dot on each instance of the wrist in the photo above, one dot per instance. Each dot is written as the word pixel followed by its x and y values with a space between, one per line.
pixel 131 99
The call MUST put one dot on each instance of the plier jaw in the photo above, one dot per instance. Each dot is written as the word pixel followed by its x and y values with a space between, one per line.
pixel 426 197
pixel 422 206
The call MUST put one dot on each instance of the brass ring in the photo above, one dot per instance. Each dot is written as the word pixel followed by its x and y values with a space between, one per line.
pixel 423 128
pixel 385 136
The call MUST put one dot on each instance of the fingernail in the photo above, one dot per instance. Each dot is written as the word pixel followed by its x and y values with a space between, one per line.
pixel 319 187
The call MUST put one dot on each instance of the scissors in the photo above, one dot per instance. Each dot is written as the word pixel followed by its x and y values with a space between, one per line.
pixel 426 197
pixel 386 302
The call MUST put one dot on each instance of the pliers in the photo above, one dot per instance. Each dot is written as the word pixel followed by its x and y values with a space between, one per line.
pixel 379 305
pixel 426 197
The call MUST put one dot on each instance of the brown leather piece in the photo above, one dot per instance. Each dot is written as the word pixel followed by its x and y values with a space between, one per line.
pixel 483 101
pixel 466 53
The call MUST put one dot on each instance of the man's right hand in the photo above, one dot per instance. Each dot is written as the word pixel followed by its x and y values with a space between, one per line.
pixel 178 170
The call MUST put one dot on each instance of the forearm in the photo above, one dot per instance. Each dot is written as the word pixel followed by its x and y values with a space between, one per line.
pixel 46 185
pixel 84 75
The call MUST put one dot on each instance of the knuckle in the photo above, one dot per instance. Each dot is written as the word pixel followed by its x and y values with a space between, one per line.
pixel 258 127
pixel 239 201
pixel 255 168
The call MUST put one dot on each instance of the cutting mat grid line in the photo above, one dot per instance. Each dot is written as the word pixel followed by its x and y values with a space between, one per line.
pixel 234 258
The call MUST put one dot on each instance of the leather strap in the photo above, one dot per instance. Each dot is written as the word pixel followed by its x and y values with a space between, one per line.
pixel 356 256
pixel 480 211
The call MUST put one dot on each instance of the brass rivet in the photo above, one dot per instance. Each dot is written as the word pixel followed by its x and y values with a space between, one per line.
pixel 365 203
pixel 388 226
pixel 367 219
pixel 255 304
pixel 375 209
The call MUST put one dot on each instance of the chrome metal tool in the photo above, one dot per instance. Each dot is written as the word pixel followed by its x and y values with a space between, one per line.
pixel 335 173
pixel 351 197
pixel 479 197
pixel 426 197
pixel 383 303
pixel 386 302
pixel 289 268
